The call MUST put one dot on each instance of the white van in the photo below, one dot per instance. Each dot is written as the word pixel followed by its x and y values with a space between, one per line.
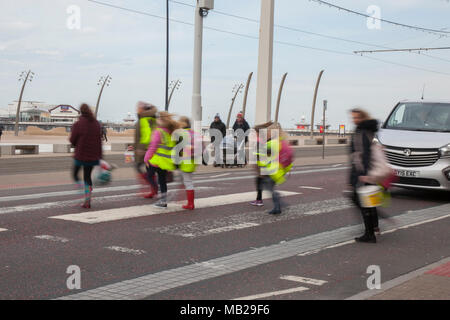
pixel 416 137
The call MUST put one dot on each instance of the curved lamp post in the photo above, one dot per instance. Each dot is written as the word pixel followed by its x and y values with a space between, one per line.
pixel 103 81
pixel 237 88
pixel 28 77
pixel 244 104
pixel 174 85
pixel 279 96
pixel 314 103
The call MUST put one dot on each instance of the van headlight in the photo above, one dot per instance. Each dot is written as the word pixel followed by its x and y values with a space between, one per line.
pixel 444 152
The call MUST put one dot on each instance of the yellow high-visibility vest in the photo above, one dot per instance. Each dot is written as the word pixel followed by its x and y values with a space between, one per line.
pixel 271 165
pixel 187 161
pixel 145 129
pixel 163 155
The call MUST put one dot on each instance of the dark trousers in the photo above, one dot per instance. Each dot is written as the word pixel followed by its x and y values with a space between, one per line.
pixel 87 172
pixel 266 183
pixel 162 177
pixel 371 214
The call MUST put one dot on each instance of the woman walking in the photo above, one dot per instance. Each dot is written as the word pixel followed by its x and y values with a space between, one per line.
pixel 87 140
pixel 361 156
pixel 158 157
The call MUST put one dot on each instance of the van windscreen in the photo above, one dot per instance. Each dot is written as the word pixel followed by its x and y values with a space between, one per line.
pixel 420 117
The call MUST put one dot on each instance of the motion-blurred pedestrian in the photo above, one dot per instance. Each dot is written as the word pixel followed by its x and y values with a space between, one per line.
pixel 146 123
pixel 86 138
pixel 273 163
pixel 361 158
pixel 187 165
pixel 158 157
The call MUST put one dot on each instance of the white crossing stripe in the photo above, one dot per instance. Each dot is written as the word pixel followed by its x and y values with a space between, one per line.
pixel 312 188
pixel 232 227
pixel 273 294
pixel 314 282
pixel 126 250
pixel 149 210
pixel 62 204
pixel 221 175
pixel 3 229
pixel 52 238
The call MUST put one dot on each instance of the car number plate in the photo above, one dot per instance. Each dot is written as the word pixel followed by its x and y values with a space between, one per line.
pixel 407 173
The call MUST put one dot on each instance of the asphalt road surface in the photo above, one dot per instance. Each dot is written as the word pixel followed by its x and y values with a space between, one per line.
pixel 23 164
pixel 225 249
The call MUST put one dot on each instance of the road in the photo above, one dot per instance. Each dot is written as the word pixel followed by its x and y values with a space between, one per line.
pixel 225 249
pixel 11 166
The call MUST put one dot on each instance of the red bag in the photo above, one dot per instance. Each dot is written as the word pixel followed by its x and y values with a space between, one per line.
pixel 286 154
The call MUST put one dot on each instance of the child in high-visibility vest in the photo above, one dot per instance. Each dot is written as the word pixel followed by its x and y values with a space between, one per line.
pixel 158 157
pixel 271 172
pixel 187 164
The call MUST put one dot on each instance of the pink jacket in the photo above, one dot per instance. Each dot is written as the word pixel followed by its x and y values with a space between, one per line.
pixel 154 142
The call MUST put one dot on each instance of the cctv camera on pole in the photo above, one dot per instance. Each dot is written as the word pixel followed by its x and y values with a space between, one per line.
pixel 201 11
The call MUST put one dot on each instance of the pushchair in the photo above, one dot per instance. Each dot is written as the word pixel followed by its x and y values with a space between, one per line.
pixel 233 153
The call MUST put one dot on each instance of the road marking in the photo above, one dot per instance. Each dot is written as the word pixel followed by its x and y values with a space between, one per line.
pixel 312 188
pixel 314 282
pixel 201 228
pixel 66 203
pixel 150 284
pixel 415 224
pixel 52 238
pixel 329 247
pixel 126 250
pixel 337 165
pixel 232 227
pixel 132 187
pixel 273 294
pixel 149 210
pixel 220 175
pixel 1 229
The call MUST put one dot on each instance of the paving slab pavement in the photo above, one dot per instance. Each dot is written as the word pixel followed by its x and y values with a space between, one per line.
pixel 429 283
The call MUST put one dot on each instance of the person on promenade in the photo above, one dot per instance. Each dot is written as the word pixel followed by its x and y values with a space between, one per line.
pixel 158 157
pixel 86 138
pixel 145 125
pixel 242 124
pixel 1 132
pixel 104 133
pixel 360 154
pixel 187 165
pixel 219 127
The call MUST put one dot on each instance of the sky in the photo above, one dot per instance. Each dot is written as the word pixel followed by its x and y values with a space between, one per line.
pixel 130 47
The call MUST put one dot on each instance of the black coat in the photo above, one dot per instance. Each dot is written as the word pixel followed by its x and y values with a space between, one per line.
pixel 360 149
pixel 218 126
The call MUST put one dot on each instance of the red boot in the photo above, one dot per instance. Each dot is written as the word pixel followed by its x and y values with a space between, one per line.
pixel 153 193
pixel 190 198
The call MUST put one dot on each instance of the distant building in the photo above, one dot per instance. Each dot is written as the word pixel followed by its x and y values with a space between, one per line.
pixel 129 119
pixel 40 112
pixel 64 113
pixel 303 125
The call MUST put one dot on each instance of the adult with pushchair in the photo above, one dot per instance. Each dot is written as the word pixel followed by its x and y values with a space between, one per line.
pixel 217 132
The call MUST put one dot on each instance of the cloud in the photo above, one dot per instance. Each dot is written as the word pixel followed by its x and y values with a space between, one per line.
pixel 16 26
pixel 89 30
pixel 47 52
